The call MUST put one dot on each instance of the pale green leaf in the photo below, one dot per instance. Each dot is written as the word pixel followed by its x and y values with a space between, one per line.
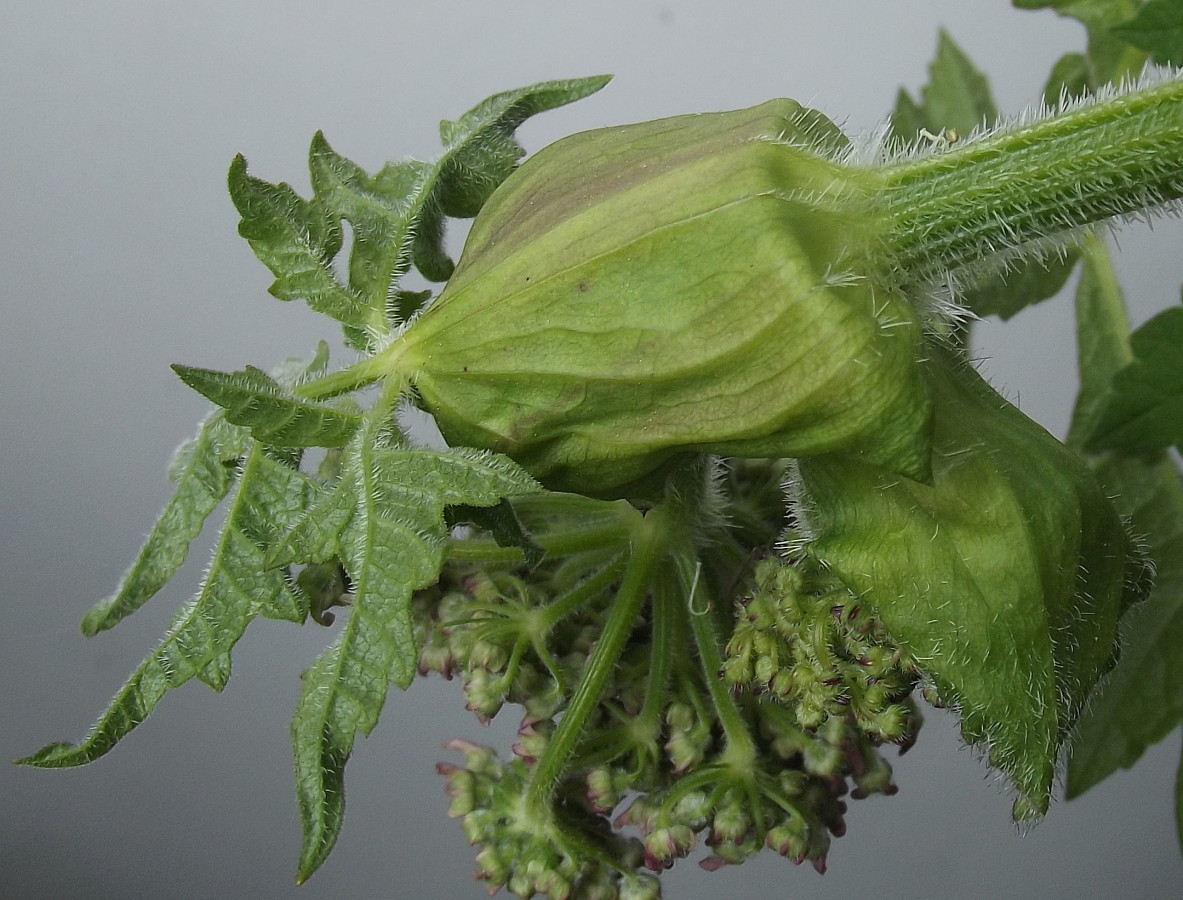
pixel 274 415
pixel 203 470
pixel 1004 577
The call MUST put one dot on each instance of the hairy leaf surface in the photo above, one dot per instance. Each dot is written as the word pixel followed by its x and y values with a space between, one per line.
pixel 203 470
pixel 397 215
pixel 267 499
pixel 385 521
pixel 274 415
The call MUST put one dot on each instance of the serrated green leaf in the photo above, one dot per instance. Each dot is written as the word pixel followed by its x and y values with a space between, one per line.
pixel 382 211
pixel 313 537
pixel 203 470
pixel 297 239
pixel 391 544
pixel 267 498
pixel 397 215
pixel 1144 410
pixel 957 94
pixel 480 147
pixel 1157 29
pixel 274 415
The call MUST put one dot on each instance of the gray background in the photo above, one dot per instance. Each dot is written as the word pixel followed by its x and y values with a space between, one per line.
pixel 120 256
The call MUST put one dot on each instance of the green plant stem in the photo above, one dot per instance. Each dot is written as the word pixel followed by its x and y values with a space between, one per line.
pixel 662 649
pixel 1026 185
pixel 648 545
pixel 740 750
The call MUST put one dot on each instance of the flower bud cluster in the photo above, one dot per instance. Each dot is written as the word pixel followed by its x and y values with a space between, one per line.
pixel 544 855
pixel 487 629
pixel 816 648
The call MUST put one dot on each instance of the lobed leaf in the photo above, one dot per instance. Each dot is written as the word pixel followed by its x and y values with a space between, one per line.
pixel 397 215
pixel 274 415
pixel 385 521
pixel 203 470
pixel 296 239
pixel 267 498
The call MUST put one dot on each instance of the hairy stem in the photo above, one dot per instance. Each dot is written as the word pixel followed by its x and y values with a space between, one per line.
pixel 1023 186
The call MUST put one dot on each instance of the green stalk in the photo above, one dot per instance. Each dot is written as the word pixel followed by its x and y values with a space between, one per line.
pixel 649 536
pixel 1026 185
pixel 740 751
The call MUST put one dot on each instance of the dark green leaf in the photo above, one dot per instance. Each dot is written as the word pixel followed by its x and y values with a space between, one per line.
pixel 503 524
pixel 275 416
pixel 1110 58
pixel 1069 79
pixel 203 470
pixel 1144 410
pixel 1157 29
pixel 480 147
pixel 1006 294
pixel 1142 700
pixel 396 216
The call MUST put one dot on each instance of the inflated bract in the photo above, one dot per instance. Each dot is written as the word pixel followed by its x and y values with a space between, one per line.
pixel 699 283
pixel 1004 578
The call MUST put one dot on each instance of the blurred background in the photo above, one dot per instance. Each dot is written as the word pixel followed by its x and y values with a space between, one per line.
pixel 120 256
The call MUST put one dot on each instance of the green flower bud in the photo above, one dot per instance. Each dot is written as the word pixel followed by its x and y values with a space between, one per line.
pixel 703 283
pixel 1003 579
